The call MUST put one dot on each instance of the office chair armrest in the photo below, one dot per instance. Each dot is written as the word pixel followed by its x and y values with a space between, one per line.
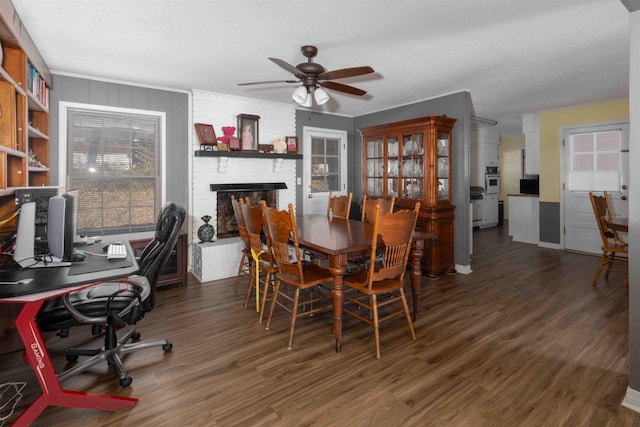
pixel 139 284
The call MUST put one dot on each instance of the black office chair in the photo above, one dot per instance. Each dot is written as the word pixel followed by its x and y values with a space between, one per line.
pixel 115 306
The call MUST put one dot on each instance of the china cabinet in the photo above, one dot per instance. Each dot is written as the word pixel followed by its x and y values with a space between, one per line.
pixel 411 160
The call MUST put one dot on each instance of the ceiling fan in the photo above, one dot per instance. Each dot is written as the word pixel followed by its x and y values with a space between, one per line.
pixel 312 75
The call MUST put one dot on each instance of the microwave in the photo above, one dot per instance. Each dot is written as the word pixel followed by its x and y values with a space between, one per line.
pixel 529 186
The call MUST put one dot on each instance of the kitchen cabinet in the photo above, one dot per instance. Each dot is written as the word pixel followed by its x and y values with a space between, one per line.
pixel 490 211
pixel 411 160
pixel 484 152
pixel 530 128
pixel 524 218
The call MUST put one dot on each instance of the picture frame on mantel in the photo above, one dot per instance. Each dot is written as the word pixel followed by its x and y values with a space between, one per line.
pixel 206 136
pixel 249 132
pixel 292 144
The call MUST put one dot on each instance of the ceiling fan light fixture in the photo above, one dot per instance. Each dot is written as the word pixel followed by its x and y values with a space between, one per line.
pixel 300 95
pixel 308 101
pixel 321 96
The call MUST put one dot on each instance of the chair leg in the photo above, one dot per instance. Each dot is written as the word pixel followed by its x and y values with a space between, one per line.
pixel 273 303
pixel 600 265
pixel 250 285
pixel 610 260
pixel 243 261
pixel 376 332
pixel 294 315
pixel 265 292
pixel 407 314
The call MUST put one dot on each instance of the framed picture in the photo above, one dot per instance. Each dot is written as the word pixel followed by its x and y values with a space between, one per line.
pixel 206 136
pixel 248 132
pixel 292 144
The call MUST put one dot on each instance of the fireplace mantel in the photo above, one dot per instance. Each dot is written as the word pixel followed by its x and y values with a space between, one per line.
pixel 257 186
pixel 246 154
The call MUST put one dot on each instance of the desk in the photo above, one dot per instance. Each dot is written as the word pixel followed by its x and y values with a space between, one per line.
pixel 338 238
pixel 48 283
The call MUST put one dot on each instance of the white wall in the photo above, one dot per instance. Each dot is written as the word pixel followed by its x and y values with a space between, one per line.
pixel 218 260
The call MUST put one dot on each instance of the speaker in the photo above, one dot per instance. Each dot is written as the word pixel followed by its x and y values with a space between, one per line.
pixel 55 229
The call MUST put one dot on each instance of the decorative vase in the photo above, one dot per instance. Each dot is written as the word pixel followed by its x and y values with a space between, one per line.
pixel 206 231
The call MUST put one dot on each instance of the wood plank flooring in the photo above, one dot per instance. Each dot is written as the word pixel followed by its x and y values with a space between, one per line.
pixel 522 341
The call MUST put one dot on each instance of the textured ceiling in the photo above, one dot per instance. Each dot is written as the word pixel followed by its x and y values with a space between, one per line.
pixel 514 56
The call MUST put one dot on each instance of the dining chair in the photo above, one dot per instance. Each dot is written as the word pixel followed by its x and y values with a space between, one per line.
pixel 369 207
pixel 614 253
pixel 611 214
pixel 293 272
pixel 244 268
pixel 263 263
pixel 381 285
pixel 339 206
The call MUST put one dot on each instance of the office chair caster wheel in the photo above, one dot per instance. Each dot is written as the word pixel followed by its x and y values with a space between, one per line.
pixel 72 357
pixel 167 346
pixel 125 382
pixel 135 336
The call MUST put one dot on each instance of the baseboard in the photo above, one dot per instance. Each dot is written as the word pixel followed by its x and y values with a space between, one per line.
pixel 632 400
pixel 549 245
pixel 463 269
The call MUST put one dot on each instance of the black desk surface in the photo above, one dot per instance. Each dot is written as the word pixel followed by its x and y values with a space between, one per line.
pixel 54 278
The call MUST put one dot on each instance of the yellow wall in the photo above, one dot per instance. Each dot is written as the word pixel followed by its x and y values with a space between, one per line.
pixel 550 145
pixel 510 169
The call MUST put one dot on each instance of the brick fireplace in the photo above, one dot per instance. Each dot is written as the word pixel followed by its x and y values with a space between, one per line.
pixel 226 225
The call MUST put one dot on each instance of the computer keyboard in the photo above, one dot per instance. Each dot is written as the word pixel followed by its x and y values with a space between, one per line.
pixel 116 251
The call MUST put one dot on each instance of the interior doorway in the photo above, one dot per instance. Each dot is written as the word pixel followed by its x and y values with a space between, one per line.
pixel 595 158
pixel 325 167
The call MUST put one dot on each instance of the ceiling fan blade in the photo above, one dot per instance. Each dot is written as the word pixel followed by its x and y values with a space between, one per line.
pixel 290 68
pixel 345 72
pixel 342 88
pixel 268 81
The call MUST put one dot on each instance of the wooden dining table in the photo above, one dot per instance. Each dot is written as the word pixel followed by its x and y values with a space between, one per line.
pixel 337 239
pixel 619 224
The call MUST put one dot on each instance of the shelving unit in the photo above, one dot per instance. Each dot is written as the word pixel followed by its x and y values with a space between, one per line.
pixel 411 160
pixel 25 82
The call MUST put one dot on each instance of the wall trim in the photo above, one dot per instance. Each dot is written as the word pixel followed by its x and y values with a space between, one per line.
pixel 549 245
pixel 631 400
pixel 463 269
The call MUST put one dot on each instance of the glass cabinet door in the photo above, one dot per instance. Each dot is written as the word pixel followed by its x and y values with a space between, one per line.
pixel 443 164
pixel 374 173
pixel 412 166
pixel 393 166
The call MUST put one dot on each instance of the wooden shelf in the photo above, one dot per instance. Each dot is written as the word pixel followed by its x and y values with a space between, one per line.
pixel 246 154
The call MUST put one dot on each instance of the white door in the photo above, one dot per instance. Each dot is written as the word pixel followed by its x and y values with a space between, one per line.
pixel 325 167
pixel 595 158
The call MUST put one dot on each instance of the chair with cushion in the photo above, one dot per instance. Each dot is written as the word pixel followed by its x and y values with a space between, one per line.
pixel 293 272
pixel 614 252
pixel 339 206
pixel 266 266
pixel 244 268
pixel 369 207
pixel 381 284
pixel 116 305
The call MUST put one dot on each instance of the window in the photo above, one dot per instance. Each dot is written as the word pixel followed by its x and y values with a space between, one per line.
pixel 113 156
pixel 325 164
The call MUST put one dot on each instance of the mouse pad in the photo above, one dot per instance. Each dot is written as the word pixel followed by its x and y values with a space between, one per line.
pixel 94 263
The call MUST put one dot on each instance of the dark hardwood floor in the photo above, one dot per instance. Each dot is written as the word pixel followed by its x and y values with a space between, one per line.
pixel 524 340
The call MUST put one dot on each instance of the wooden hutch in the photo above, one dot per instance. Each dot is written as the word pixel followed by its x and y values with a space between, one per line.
pixel 411 160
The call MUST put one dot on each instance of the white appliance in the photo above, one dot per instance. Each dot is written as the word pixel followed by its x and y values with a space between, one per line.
pixel 492 183
pixel 477 206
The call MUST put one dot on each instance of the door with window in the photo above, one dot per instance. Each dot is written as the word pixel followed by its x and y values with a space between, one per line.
pixel 325 167
pixel 596 158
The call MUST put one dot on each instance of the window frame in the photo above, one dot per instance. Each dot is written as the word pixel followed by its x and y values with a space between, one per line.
pixel 63 142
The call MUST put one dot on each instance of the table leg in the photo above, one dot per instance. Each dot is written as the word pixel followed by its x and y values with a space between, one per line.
pixel 52 393
pixel 416 274
pixel 337 266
